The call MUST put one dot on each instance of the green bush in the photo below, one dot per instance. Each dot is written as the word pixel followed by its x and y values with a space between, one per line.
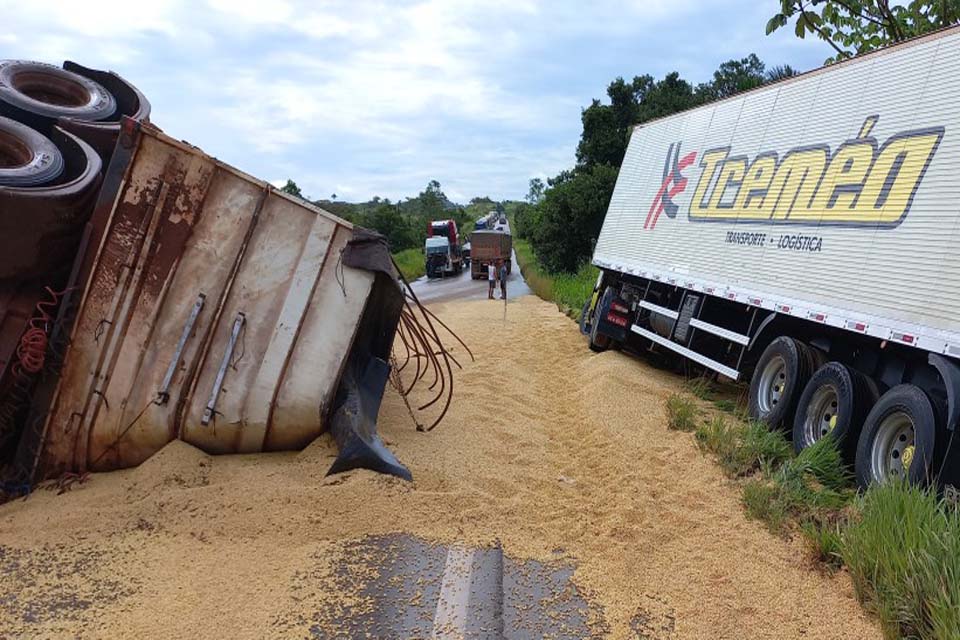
pixel 571 290
pixel 569 217
pixel 411 262
pixel 568 290
pixel 681 413
pixel 903 554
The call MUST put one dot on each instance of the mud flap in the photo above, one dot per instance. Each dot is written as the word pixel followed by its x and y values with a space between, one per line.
pixel 354 424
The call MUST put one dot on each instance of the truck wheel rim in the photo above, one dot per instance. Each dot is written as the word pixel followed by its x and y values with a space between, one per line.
pixel 893 447
pixel 773 381
pixel 821 416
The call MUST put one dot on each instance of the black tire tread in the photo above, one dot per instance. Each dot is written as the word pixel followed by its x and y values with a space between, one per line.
pixel 905 397
pixel 856 400
pixel 798 356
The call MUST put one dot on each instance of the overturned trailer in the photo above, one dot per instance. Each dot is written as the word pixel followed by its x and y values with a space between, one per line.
pixel 210 307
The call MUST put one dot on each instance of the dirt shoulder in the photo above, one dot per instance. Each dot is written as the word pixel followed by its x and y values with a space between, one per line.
pixel 550 449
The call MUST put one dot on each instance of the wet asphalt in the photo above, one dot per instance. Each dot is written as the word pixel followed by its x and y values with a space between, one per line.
pixel 462 287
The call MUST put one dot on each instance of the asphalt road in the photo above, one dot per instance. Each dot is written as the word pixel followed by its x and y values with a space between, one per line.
pixel 403 587
pixel 462 287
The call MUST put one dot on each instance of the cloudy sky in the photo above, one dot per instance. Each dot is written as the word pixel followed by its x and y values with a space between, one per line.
pixel 369 98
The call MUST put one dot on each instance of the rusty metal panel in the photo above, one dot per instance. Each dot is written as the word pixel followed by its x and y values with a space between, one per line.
pixel 117 408
pixel 204 268
pixel 205 279
pixel 258 292
pixel 308 386
pixel 262 393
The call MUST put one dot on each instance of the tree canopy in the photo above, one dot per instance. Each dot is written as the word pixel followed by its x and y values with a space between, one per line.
pixel 852 27
pixel 563 219
pixel 291 188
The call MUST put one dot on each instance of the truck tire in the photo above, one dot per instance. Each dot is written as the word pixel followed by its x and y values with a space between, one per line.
pixel 898 438
pixel 51 92
pixel 778 380
pixel 834 402
pixel 27 157
pixel 598 341
pixel 584 321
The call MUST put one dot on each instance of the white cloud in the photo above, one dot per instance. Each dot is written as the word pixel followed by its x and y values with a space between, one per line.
pixel 378 97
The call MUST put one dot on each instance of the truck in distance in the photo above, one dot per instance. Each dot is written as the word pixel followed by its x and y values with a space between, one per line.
pixel 442 249
pixel 489 247
pixel 485 222
pixel 801 236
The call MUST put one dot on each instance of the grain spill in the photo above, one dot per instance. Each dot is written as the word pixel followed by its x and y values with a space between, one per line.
pixel 548 448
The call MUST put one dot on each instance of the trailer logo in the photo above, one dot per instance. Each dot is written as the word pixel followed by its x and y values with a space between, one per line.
pixel 861 183
pixel 673 185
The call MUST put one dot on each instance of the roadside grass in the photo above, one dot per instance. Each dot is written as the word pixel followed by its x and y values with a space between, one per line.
pixel 742 449
pixel 825 541
pixel 681 413
pixel 568 290
pixel 533 273
pixel 702 387
pixel 903 553
pixel 809 490
pixel 726 405
pixel 411 262
pixel 571 290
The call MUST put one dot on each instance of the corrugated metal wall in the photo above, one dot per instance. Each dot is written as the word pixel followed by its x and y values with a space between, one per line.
pixel 895 273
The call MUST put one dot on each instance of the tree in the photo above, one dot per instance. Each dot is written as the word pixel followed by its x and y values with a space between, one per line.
pixel 291 188
pixel 535 194
pixel 563 219
pixel 570 215
pixel 432 201
pixel 780 72
pixel 387 219
pixel 606 128
pixel 666 97
pixel 852 27
pixel 732 77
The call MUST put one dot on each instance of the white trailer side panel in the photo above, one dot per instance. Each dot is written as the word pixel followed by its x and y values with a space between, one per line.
pixel 834 196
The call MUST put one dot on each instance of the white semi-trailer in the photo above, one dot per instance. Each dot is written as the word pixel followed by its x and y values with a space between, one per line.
pixel 803 237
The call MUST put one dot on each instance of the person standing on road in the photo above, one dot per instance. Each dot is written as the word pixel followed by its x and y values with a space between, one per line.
pixel 492 279
pixel 503 280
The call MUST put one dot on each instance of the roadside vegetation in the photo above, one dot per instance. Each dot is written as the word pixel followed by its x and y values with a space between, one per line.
pixel 568 290
pixel 411 262
pixel 899 543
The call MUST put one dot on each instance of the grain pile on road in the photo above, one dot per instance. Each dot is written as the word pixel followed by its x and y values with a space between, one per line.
pixel 549 449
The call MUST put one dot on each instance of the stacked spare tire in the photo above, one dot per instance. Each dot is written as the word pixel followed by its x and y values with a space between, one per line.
pixel 58 129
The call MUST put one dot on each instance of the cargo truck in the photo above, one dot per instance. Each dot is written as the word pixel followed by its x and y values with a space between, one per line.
pixel 802 237
pixel 489 247
pixel 442 249
pixel 486 222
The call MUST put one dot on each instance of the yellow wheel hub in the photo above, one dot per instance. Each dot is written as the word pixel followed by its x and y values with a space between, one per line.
pixel 908 456
pixel 833 422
